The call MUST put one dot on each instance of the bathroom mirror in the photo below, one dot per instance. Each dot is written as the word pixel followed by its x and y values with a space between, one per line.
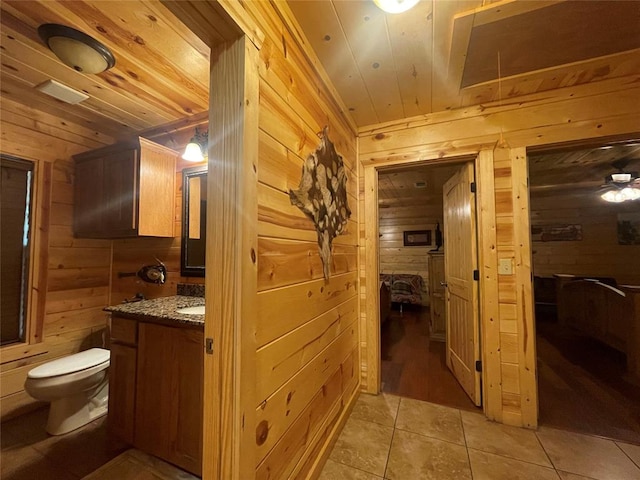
pixel 194 221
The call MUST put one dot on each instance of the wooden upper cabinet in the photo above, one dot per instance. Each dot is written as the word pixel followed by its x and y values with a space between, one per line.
pixel 125 190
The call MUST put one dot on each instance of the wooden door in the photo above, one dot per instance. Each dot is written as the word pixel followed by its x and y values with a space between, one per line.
pixel 461 260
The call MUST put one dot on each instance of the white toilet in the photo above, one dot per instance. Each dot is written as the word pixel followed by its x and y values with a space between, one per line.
pixel 77 387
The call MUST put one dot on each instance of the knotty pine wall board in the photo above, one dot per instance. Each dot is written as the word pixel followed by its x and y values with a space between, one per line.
pixel 303 319
pixel 78 269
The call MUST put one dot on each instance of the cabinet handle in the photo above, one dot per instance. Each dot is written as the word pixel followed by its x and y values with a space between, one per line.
pixel 444 284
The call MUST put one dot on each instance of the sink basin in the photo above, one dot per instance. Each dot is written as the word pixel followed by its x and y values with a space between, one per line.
pixel 197 310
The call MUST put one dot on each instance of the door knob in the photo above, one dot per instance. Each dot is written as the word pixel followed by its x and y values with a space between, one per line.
pixel 444 284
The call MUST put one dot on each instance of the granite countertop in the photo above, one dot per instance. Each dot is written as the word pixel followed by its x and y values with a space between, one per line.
pixel 161 310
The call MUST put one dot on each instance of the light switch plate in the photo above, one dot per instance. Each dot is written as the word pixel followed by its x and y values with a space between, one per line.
pixel 505 266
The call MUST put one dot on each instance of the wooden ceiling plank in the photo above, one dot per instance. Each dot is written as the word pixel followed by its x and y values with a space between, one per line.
pixel 365 28
pixel 411 41
pixel 313 76
pixel 25 117
pixel 577 73
pixel 136 62
pixel 18 43
pixel 153 26
pixel 18 92
pixel 504 9
pixel 192 18
pixel 22 75
pixel 246 23
pixel 115 106
pixel 320 23
pixel 40 117
pixel 462 26
pixel 445 95
pixel 559 34
pixel 283 66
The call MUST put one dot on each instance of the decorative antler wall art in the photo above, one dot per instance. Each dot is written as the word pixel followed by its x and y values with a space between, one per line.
pixel 322 196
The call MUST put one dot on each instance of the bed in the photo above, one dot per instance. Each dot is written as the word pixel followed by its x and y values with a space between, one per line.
pixel 405 288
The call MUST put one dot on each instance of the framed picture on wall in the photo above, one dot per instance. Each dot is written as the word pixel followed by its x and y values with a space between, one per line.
pixel 556 233
pixel 629 229
pixel 417 238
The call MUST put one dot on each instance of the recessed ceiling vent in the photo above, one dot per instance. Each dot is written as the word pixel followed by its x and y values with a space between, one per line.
pixel 62 92
pixel 420 184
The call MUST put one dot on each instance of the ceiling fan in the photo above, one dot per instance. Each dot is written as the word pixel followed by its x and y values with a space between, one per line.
pixel 622 185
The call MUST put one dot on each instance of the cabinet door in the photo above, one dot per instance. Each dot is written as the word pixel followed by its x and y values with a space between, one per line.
pixel 88 183
pixel 122 392
pixel 121 193
pixel 185 448
pixel 169 395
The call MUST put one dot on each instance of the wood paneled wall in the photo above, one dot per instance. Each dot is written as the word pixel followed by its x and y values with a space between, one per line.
pixel 78 269
pixel 82 274
pixel 397 258
pixel 571 114
pixel 307 331
pixel 598 253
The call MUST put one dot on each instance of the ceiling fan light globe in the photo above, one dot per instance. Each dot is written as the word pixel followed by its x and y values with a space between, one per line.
pixel 630 193
pixel 612 196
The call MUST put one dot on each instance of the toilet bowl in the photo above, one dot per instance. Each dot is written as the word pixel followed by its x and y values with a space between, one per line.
pixel 77 387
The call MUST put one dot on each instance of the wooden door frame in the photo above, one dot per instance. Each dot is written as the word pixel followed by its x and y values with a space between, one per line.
pixel 231 252
pixel 487 264
pixel 231 264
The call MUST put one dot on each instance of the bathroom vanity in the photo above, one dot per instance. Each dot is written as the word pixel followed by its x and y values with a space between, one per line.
pixel 155 380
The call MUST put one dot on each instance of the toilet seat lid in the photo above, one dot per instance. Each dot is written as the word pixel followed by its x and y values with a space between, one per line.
pixel 70 364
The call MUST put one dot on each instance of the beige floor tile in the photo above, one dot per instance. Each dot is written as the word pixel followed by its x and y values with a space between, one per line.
pixel 586 455
pixel 487 466
pixel 513 442
pixel 337 471
pixel 572 476
pixel 363 445
pixel 632 451
pixel 22 462
pixel 431 420
pixel 380 409
pixel 417 457
pixel 30 428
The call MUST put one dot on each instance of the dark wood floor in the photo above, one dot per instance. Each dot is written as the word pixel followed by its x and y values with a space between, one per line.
pixel 583 385
pixel 415 367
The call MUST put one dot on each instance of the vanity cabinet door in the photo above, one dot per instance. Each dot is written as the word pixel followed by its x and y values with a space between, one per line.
pixel 169 394
pixel 87 219
pixel 122 392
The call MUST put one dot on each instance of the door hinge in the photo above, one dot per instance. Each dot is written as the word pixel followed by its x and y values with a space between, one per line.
pixel 473 187
pixel 208 345
pixel 476 275
pixel 478 365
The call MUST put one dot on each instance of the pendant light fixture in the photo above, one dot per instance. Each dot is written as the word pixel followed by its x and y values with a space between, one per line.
pixel 395 6
pixel 76 49
pixel 194 152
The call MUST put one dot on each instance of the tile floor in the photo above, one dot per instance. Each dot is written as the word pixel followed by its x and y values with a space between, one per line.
pixel 394 438
pixel 386 437
pixel 29 453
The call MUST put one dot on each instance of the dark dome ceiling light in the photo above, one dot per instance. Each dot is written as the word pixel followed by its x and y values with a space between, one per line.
pixel 76 49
